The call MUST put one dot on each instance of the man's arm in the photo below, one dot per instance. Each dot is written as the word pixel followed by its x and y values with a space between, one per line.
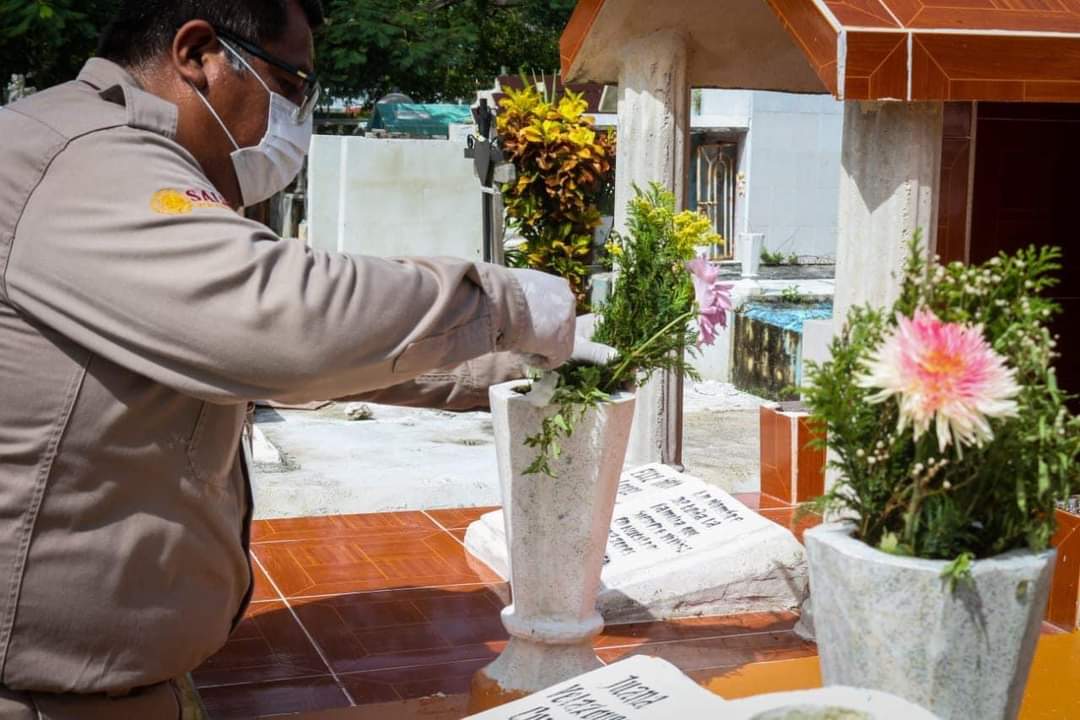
pixel 460 389
pixel 114 252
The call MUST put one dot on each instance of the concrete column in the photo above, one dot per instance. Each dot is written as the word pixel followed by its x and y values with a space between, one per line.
pixel 891 170
pixel 654 146
pixel 889 180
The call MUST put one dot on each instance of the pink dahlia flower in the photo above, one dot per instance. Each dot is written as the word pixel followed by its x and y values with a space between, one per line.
pixel 946 373
pixel 713 299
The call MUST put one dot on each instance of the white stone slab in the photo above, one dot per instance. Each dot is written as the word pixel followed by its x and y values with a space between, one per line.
pixel 648 688
pixel 679 548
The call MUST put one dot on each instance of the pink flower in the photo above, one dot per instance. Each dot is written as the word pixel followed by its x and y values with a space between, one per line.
pixel 946 373
pixel 713 299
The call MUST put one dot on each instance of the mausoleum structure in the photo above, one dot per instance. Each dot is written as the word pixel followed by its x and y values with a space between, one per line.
pixel 959 122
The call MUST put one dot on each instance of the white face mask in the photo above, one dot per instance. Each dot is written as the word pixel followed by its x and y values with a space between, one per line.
pixel 266 169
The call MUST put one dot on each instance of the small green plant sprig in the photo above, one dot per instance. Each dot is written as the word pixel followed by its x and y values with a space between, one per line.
pixel 648 318
pixel 905 495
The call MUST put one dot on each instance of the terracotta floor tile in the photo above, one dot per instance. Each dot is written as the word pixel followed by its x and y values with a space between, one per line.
pixel 417 682
pixel 690 655
pixel 338 526
pixel 459 519
pixel 269 644
pixel 695 628
pixel 760 501
pixel 447 626
pixel 413 559
pixel 244 702
pixel 459 534
pixel 786 517
pixel 263 590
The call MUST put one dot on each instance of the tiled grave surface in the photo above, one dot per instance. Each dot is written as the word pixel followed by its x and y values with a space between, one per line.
pixel 375 610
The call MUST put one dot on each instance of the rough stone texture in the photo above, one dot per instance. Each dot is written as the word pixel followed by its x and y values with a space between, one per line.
pixel 891 168
pixel 557 529
pixel 654 146
pixel 891 623
pixel 734 561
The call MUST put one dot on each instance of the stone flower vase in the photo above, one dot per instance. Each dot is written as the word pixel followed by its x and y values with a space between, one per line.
pixel 892 623
pixel 557 531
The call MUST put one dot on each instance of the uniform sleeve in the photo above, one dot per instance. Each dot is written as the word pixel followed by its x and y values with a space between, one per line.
pixel 460 389
pixel 126 249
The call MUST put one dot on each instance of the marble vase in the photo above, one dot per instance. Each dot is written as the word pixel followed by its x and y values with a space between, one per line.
pixel 557 533
pixel 892 623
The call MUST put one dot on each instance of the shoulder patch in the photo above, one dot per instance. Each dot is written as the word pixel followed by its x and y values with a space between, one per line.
pixel 171 201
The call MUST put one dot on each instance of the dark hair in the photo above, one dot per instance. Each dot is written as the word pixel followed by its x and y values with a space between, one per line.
pixel 141 29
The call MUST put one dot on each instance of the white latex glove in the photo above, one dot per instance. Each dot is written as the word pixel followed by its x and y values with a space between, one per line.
pixel 587 351
pixel 551 307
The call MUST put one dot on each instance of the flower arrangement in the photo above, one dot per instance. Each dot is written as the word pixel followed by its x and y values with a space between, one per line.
pixel 564 168
pixel 660 291
pixel 952 437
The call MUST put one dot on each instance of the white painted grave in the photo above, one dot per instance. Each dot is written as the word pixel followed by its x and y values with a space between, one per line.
pixel 648 688
pixel 679 547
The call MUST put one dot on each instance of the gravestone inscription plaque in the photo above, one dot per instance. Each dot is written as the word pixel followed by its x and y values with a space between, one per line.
pixel 679 547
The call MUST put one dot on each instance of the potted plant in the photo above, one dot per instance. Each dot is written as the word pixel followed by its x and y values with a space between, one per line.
pixel 954 444
pixel 565 168
pixel 561 437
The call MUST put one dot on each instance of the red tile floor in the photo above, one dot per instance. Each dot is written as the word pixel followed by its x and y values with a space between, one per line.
pixel 364 609
pixel 384 616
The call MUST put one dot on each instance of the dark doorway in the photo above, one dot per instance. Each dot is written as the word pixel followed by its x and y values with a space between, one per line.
pixel 1027 157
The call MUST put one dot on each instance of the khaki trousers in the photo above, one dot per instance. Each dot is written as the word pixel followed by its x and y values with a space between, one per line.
pixel 157 702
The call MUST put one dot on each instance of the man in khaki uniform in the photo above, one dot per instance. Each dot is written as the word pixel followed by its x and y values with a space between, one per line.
pixel 140 313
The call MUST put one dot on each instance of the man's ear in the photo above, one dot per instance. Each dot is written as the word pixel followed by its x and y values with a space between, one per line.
pixel 193 45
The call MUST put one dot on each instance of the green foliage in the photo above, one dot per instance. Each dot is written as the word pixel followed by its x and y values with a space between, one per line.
pixel 905 495
pixel 648 318
pixel 563 168
pixel 434 50
pixel 791 294
pixel 49 40
pixel 771 258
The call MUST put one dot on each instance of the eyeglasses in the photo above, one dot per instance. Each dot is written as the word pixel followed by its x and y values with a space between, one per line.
pixel 312 89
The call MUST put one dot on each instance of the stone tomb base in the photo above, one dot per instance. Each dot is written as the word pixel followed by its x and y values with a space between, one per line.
pixel 678 548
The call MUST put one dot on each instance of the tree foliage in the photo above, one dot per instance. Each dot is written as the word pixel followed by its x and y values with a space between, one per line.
pixel 49 40
pixel 434 50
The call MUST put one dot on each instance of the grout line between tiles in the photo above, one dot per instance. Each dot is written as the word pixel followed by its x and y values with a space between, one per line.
pixel 307 633
pixel 754 633
pixel 443 528
pixel 386 590
pixel 215 686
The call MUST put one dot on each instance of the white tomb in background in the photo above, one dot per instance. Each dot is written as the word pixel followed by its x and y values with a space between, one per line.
pixel 678 547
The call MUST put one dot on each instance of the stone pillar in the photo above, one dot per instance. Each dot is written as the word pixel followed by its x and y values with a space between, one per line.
pixel 654 146
pixel 889 179
pixel 891 170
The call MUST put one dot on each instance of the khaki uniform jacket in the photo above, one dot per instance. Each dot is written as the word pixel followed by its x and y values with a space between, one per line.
pixel 138 317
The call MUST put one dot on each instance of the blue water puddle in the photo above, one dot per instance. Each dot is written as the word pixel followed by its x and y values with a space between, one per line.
pixel 787 317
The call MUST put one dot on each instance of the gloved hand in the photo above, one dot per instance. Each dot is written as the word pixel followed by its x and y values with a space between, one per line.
pixel 551 307
pixel 587 351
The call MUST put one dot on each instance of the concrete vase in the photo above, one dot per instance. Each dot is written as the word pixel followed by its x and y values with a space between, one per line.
pixel 557 532
pixel 892 623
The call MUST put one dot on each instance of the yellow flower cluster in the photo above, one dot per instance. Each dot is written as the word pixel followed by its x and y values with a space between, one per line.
pixel 692 230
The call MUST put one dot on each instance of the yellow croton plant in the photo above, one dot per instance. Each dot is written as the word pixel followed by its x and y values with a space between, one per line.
pixel 563 167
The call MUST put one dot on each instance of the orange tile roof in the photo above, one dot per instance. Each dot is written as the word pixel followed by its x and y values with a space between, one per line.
pixel 1011 50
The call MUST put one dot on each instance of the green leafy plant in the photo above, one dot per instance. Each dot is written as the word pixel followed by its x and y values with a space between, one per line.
pixel 564 170
pixel 970 460
pixel 791 294
pixel 648 319
pixel 771 258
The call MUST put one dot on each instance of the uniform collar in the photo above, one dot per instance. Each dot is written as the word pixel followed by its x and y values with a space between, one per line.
pixel 144 110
